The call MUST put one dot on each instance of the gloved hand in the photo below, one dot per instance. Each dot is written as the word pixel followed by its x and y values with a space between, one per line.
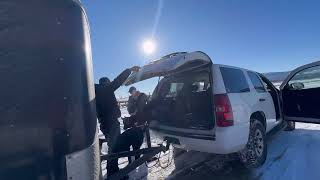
pixel 135 68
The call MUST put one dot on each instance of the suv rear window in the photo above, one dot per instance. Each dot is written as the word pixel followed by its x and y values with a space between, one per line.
pixel 234 80
pixel 257 84
pixel 192 83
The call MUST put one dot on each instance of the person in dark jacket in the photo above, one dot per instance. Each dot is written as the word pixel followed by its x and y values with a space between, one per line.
pixel 134 133
pixel 138 101
pixel 107 107
pixel 131 107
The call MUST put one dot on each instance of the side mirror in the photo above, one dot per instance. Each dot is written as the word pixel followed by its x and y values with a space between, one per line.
pixel 296 86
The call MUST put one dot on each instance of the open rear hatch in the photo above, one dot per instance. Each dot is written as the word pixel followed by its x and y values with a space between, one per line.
pixel 184 101
pixel 169 64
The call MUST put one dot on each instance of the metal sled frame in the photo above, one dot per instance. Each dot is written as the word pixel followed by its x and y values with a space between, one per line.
pixel 147 153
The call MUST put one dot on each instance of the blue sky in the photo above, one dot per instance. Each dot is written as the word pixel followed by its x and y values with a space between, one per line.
pixel 262 35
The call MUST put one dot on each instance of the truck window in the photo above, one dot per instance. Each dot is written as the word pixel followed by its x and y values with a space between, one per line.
pixel 234 80
pixel 257 84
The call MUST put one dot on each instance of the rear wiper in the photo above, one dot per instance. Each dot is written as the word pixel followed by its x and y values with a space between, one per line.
pixel 261 88
pixel 245 90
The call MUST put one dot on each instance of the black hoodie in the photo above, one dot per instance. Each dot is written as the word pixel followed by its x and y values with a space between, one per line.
pixel 106 102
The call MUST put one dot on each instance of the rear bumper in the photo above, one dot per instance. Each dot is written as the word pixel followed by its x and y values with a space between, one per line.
pixel 185 134
pixel 226 140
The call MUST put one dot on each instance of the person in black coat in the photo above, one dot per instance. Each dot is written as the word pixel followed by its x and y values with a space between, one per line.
pixel 107 107
pixel 132 106
pixel 134 127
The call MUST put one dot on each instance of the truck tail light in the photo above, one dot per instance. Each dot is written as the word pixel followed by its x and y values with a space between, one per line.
pixel 223 110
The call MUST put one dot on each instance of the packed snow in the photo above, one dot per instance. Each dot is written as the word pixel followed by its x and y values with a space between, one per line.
pixel 291 156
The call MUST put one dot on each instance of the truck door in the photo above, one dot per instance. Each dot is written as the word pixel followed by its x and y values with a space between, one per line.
pixel 300 93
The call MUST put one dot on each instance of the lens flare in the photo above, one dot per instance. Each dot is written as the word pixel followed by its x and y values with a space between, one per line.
pixel 148 47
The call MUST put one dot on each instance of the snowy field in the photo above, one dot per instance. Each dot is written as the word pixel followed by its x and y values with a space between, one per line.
pixel 291 156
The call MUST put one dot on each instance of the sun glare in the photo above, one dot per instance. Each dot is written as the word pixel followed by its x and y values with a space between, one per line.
pixel 148 47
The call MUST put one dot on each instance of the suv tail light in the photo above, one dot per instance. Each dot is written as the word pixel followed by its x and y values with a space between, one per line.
pixel 223 110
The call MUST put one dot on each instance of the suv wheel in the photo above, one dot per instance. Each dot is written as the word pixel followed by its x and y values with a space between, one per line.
pixel 255 153
pixel 290 126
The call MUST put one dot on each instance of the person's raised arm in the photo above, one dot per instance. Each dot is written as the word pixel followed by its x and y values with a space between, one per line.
pixel 121 78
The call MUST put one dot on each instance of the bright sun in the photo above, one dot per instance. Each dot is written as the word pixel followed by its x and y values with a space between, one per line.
pixel 148 47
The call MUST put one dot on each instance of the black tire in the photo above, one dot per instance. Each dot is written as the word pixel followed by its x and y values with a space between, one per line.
pixel 290 126
pixel 255 153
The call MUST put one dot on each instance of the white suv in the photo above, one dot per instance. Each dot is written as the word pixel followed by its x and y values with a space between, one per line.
pixel 212 108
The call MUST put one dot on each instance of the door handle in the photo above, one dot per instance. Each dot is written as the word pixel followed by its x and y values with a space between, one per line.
pixel 262 99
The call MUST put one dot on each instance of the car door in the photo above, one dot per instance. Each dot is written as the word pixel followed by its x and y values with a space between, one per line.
pixel 265 100
pixel 300 94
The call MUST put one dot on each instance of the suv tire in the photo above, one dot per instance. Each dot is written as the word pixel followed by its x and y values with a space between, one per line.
pixel 255 153
pixel 290 126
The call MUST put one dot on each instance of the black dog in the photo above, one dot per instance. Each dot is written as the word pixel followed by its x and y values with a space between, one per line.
pixel 128 122
pixel 132 136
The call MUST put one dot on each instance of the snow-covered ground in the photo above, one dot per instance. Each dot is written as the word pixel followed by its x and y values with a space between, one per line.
pixel 291 156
